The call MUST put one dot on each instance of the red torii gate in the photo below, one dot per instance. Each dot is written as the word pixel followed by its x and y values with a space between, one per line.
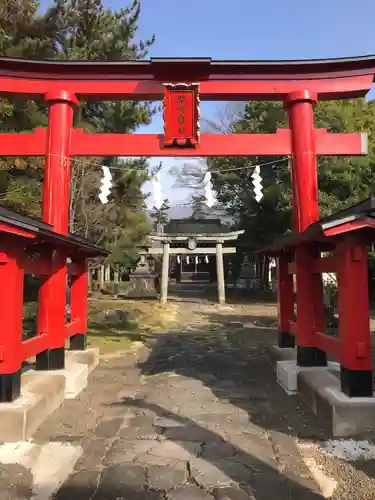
pixel 299 84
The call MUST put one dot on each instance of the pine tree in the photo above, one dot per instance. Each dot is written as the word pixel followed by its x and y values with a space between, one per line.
pixel 90 31
pixel 79 30
pixel 22 34
pixel 341 181
pixel 160 216
pixel 199 209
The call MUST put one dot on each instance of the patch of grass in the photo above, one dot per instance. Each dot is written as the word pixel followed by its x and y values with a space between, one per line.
pixel 150 317
pixel 30 310
pixel 110 287
pixel 108 340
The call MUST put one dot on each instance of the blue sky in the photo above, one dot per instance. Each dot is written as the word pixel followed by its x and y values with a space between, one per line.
pixel 251 29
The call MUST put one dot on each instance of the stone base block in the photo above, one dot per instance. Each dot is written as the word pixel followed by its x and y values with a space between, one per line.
pixel 41 395
pixel 341 415
pixel 276 353
pixel 42 392
pixel 89 357
pixel 287 373
pixel 76 375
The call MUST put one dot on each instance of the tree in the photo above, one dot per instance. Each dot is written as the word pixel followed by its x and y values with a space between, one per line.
pixel 87 30
pixel 233 182
pixel 342 181
pixel 191 176
pixel 199 209
pixel 22 34
pixel 79 29
pixel 160 216
pixel 122 223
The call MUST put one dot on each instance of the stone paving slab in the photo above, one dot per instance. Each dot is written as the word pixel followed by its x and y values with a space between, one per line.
pixel 209 424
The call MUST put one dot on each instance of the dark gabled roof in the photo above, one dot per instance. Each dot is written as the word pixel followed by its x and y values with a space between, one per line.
pixel 195 226
pixel 365 207
pixel 38 227
pixel 321 231
pixel 23 221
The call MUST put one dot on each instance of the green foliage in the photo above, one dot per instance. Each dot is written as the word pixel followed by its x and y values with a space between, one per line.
pixel 122 223
pixel 78 30
pixel 342 181
pixel 22 34
pixel 160 215
pixel 199 209
pixel 262 222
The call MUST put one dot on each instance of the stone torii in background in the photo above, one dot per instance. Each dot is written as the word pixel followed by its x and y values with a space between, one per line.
pixel 187 237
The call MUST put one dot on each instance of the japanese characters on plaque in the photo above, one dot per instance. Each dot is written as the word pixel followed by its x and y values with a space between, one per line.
pixel 181 114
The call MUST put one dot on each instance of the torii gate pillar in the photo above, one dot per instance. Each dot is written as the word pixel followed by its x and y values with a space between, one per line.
pixel 220 273
pixel 55 211
pixel 299 106
pixel 164 273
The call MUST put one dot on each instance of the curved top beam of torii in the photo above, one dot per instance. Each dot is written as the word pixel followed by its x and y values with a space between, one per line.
pixel 219 80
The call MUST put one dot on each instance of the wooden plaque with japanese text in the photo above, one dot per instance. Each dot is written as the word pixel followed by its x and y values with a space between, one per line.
pixel 181 114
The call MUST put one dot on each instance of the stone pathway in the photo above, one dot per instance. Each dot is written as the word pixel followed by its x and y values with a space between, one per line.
pixel 197 417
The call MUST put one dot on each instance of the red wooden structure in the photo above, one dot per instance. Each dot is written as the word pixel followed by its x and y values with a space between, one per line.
pixel 343 238
pixel 28 246
pixel 299 84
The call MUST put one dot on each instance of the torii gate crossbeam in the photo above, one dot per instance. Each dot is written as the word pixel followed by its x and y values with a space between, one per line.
pixel 298 84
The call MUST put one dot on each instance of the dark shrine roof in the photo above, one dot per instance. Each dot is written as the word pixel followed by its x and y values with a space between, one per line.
pixel 195 226
pixel 45 231
pixel 365 207
pixel 356 217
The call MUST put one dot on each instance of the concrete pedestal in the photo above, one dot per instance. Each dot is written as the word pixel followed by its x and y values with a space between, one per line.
pixel 287 373
pixel 42 392
pixel 320 389
pixel 341 415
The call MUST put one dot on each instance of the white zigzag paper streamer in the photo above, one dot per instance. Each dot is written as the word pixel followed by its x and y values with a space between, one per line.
pixel 105 185
pixel 208 190
pixel 257 183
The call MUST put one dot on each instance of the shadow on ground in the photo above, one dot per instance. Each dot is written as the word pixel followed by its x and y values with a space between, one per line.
pixel 233 363
pixel 256 475
pixel 200 412
pixel 244 378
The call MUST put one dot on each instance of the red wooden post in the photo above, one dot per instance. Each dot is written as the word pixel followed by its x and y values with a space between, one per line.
pixel 285 298
pixel 11 314
pixel 306 211
pixel 304 175
pixel 79 306
pixel 52 293
pixel 354 325
pixel 318 304
pixel 308 304
pixel 57 163
pixel 51 313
